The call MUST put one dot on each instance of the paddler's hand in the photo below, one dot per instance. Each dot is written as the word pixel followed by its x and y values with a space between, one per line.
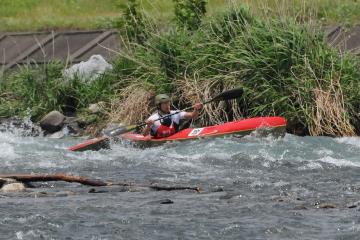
pixel 198 106
pixel 149 123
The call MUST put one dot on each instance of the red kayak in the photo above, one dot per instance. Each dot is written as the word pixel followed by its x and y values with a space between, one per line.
pixel 243 127
pixel 240 127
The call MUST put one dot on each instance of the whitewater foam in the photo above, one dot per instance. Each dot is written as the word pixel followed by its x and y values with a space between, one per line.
pixel 339 162
pixel 354 141
pixel 7 151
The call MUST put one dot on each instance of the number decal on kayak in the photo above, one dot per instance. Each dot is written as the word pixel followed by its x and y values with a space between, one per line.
pixel 195 132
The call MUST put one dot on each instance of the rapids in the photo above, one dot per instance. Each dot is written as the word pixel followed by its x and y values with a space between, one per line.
pixel 252 188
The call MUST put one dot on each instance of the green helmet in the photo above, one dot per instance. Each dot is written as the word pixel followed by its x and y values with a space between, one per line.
pixel 161 98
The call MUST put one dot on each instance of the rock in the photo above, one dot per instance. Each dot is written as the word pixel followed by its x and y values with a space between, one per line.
pixel 57 135
pixel 217 189
pixel 2 182
pixel 166 201
pixel 88 71
pixel 52 122
pixel 326 205
pixel 94 190
pixel 279 198
pixel 96 107
pixel 13 187
pixel 353 205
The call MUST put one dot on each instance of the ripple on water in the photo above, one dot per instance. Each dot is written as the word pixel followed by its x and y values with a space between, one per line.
pixel 257 169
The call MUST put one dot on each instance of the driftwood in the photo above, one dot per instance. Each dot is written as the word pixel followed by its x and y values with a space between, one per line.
pixel 26 178
pixel 173 188
pixel 54 177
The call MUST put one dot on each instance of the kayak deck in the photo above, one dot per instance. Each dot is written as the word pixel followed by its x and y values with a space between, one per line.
pixel 240 127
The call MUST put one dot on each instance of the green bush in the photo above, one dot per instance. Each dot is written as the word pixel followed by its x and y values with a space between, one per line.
pixel 189 13
pixel 40 89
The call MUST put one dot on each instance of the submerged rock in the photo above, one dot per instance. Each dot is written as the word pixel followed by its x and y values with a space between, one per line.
pixel 326 205
pixel 166 201
pixel 353 205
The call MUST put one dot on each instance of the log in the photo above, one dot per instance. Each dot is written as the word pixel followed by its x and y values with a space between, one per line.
pixel 54 177
pixel 26 178
pixel 172 188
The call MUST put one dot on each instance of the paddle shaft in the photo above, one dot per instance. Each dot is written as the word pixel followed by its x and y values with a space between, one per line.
pixel 227 95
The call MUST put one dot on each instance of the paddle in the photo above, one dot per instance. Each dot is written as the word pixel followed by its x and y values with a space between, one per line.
pixel 226 95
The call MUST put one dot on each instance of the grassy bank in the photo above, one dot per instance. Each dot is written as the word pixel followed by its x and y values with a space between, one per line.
pixel 25 15
pixel 281 62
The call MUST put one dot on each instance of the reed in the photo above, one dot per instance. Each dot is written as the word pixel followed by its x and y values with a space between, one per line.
pixel 280 59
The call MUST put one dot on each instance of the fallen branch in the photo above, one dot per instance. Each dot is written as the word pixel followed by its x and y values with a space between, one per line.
pixel 54 177
pixel 172 188
pixel 26 178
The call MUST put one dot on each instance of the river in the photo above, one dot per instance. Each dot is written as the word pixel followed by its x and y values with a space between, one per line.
pixel 252 188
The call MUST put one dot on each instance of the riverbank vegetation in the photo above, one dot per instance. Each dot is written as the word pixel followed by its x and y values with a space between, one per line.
pixel 279 59
pixel 37 15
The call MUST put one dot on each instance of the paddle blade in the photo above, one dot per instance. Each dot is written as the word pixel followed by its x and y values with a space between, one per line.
pixel 120 130
pixel 230 94
pixel 94 144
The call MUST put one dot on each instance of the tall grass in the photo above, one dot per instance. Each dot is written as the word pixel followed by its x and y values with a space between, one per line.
pixel 282 63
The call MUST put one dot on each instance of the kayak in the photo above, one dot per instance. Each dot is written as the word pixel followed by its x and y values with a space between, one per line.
pixel 94 144
pixel 265 125
pixel 276 125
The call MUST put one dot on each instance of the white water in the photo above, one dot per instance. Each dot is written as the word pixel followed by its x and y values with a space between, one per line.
pixel 272 189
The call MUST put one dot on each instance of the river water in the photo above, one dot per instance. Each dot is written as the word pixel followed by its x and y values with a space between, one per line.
pixel 252 188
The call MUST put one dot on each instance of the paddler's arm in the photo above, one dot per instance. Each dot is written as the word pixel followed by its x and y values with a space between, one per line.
pixel 194 114
pixel 148 126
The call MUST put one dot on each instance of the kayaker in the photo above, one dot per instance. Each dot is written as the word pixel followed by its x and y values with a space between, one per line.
pixel 170 124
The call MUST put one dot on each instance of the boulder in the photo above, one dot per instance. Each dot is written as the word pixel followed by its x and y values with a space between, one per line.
pixel 13 187
pixel 96 107
pixel 88 71
pixel 52 122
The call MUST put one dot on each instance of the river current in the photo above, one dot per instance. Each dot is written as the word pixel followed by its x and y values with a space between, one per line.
pixel 251 188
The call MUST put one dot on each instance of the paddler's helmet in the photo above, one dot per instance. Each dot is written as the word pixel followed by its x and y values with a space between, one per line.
pixel 161 98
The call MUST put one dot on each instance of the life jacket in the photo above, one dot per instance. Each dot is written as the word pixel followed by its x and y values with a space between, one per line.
pixel 167 127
